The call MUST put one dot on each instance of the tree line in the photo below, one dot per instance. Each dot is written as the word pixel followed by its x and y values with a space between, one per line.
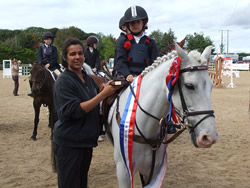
pixel 23 44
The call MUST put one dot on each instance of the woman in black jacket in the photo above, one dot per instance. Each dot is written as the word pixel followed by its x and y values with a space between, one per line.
pixel 76 98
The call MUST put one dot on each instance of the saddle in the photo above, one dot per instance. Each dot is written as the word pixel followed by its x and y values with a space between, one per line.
pixel 108 102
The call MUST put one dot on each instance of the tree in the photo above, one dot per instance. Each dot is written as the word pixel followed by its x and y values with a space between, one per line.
pixel 5 52
pixel 63 34
pixel 107 47
pixel 28 40
pixel 162 40
pixel 198 42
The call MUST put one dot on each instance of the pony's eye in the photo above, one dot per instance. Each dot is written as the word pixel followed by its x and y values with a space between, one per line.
pixel 189 86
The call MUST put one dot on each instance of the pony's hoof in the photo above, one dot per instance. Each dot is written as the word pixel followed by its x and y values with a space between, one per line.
pixel 32 138
pixel 100 139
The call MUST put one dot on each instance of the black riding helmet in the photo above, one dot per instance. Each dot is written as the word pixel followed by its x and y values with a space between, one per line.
pixel 121 22
pixel 91 40
pixel 136 13
pixel 47 35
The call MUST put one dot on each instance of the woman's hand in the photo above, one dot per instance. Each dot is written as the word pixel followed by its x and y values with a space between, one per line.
pixel 130 78
pixel 108 89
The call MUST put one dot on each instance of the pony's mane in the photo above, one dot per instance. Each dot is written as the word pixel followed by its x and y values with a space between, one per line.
pixel 194 54
pixel 158 61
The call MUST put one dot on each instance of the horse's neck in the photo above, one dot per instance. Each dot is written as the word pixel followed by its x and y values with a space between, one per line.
pixel 153 94
pixel 49 82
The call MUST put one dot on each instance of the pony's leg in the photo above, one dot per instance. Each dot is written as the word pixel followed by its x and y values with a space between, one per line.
pixel 36 120
pixel 121 171
pixel 50 116
pixel 51 119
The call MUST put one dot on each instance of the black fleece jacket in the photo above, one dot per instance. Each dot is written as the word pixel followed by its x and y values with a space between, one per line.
pixel 75 127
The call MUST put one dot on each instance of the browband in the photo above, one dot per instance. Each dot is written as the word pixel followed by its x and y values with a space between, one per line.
pixel 194 68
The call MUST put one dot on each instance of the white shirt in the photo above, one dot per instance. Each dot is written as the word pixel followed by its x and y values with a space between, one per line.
pixel 138 38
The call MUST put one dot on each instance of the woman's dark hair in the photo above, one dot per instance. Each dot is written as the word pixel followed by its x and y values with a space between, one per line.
pixel 67 43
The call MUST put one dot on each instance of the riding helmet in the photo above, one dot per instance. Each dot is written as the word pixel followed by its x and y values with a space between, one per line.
pixel 135 13
pixel 47 35
pixel 121 22
pixel 92 40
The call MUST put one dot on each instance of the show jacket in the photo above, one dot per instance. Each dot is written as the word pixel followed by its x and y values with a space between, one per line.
pixel 145 52
pixel 92 59
pixel 50 53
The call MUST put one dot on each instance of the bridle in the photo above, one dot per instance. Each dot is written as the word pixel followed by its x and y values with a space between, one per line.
pixel 186 112
pixel 42 81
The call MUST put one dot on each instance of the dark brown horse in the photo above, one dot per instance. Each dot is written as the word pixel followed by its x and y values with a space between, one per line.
pixel 42 89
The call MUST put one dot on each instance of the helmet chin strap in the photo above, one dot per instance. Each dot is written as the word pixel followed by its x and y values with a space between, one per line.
pixel 136 34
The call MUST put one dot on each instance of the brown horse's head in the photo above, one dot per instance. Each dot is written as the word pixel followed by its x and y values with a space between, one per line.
pixel 39 77
pixel 171 45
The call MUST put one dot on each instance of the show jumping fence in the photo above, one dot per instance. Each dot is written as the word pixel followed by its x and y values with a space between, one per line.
pixel 215 72
pixel 24 69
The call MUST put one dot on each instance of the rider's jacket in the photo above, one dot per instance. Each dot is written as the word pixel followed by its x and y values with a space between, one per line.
pixel 92 58
pixel 50 54
pixel 133 58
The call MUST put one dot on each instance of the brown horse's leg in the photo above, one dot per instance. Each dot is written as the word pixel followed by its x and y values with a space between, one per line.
pixel 52 118
pixel 36 120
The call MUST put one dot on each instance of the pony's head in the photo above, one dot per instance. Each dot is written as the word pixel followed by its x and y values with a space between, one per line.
pixel 38 76
pixel 194 89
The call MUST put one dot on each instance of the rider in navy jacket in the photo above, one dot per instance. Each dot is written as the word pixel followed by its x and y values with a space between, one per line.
pixel 48 52
pixel 137 51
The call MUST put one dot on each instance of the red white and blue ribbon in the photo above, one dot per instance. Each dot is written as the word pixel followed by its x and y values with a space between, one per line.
pixel 171 80
pixel 127 126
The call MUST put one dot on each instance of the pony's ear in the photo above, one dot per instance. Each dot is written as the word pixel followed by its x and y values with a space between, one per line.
pixel 207 52
pixel 43 62
pixel 181 44
pixel 181 53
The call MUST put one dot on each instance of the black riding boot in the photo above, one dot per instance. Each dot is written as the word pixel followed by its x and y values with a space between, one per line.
pixel 30 94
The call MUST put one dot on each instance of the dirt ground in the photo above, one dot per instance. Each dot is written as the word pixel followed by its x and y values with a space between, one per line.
pixel 25 163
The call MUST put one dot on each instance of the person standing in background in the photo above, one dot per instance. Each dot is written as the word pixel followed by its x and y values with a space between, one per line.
pixel 15 77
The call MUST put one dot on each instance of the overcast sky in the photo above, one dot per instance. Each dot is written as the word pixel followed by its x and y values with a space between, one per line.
pixel 183 17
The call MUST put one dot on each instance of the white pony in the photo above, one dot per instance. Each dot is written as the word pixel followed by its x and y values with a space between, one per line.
pixel 191 97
